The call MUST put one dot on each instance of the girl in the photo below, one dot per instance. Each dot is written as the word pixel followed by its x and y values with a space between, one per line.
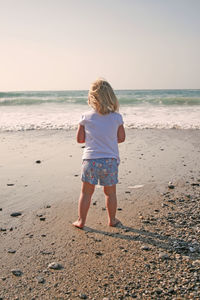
pixel 101 130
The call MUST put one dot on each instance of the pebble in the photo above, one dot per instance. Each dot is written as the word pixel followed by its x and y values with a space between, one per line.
pixel 11 251
pixel 163 255
pixel 1 208
pixel 55 266
pixel 38 161
pixel 171 185
pixel 3 278
pixel 82 296
pixel 16 272
pixel 3 229
pixel 16 214
pixel 145 248
pixel 98 253
pixel 42 218
pixel 10 184
pixel 40 279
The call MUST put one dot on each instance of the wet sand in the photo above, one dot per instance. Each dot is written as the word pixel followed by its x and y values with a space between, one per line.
pixel 155 253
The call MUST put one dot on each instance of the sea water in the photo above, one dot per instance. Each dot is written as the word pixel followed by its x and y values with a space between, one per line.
pixel 46 110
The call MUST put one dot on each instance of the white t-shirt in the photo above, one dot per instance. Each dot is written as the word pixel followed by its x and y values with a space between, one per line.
pixel 101 135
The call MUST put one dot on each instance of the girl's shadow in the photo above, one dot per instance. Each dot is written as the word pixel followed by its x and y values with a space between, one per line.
pixel 155 239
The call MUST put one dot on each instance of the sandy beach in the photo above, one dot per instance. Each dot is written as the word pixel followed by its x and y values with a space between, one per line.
pixel 154 254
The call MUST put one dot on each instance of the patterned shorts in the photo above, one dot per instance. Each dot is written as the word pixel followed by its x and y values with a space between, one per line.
pixel 102 170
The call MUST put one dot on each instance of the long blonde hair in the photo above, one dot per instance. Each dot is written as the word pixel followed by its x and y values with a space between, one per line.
pixel 102 98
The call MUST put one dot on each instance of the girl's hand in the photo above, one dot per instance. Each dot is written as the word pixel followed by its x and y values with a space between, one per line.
pixel 80 135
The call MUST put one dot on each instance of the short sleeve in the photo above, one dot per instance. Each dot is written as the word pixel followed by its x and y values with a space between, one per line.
pixel 119 119
pixel 82 120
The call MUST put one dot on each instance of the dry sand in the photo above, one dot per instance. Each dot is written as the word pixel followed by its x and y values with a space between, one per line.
pixel 154 254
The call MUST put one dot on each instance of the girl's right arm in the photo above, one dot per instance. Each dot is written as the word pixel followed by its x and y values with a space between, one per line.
pixel 121 134
pixel 80 135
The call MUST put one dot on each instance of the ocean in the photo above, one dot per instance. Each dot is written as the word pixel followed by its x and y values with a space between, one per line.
pixel 47 110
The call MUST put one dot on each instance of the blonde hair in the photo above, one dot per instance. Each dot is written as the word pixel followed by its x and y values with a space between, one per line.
pixel 102 98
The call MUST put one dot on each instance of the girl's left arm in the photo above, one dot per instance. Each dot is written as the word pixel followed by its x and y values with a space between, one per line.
pixel 121 134
pixel 80 135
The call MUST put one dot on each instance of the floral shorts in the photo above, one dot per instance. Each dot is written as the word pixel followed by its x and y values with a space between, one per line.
pixel 101 170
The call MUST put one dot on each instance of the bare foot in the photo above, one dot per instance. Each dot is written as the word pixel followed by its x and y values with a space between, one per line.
pixel 78 224
pixel 114 222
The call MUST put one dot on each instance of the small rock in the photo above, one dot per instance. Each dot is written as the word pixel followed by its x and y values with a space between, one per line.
pixel 145 248
pixel 119 208
pixel 163 255
pixel 158 291
pixel 55 266
pixel 48 206
pixel 171 291
pixel 42 218
pixel 94 203
pixel 170 185
pixel 1 209
pixel 16 272
pixel 10 184
pixel 82 296
pixel 3 229
pixel 3 278
pixel 16 214
pixel 38 161
pixel 98 253
pixel 11 251
pixel 40 279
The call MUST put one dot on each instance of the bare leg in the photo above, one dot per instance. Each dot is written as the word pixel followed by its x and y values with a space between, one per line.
pixel 111 204
pixel 84 203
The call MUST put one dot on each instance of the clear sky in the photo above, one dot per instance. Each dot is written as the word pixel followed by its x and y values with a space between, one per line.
pixel 67 44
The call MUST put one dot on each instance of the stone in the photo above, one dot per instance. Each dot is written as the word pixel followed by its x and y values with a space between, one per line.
pixel 38 161
pixel 3 278
pixel 42 218
pixel 145 248
pixel 11 251
pixel 99 253
pixel 16 214
pixel 2 229
pixel 163 255
pixel 16 272
pixel 55 266
pixel 82 296
pixel 10 184
pixel 170 185
pixel 40 279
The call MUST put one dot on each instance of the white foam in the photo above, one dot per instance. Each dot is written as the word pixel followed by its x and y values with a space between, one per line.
pixel 58 116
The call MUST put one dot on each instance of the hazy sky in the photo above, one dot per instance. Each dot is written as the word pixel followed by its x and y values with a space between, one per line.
pixel 66 44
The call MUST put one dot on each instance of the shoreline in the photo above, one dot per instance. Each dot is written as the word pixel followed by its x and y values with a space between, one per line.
pixel 154 254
